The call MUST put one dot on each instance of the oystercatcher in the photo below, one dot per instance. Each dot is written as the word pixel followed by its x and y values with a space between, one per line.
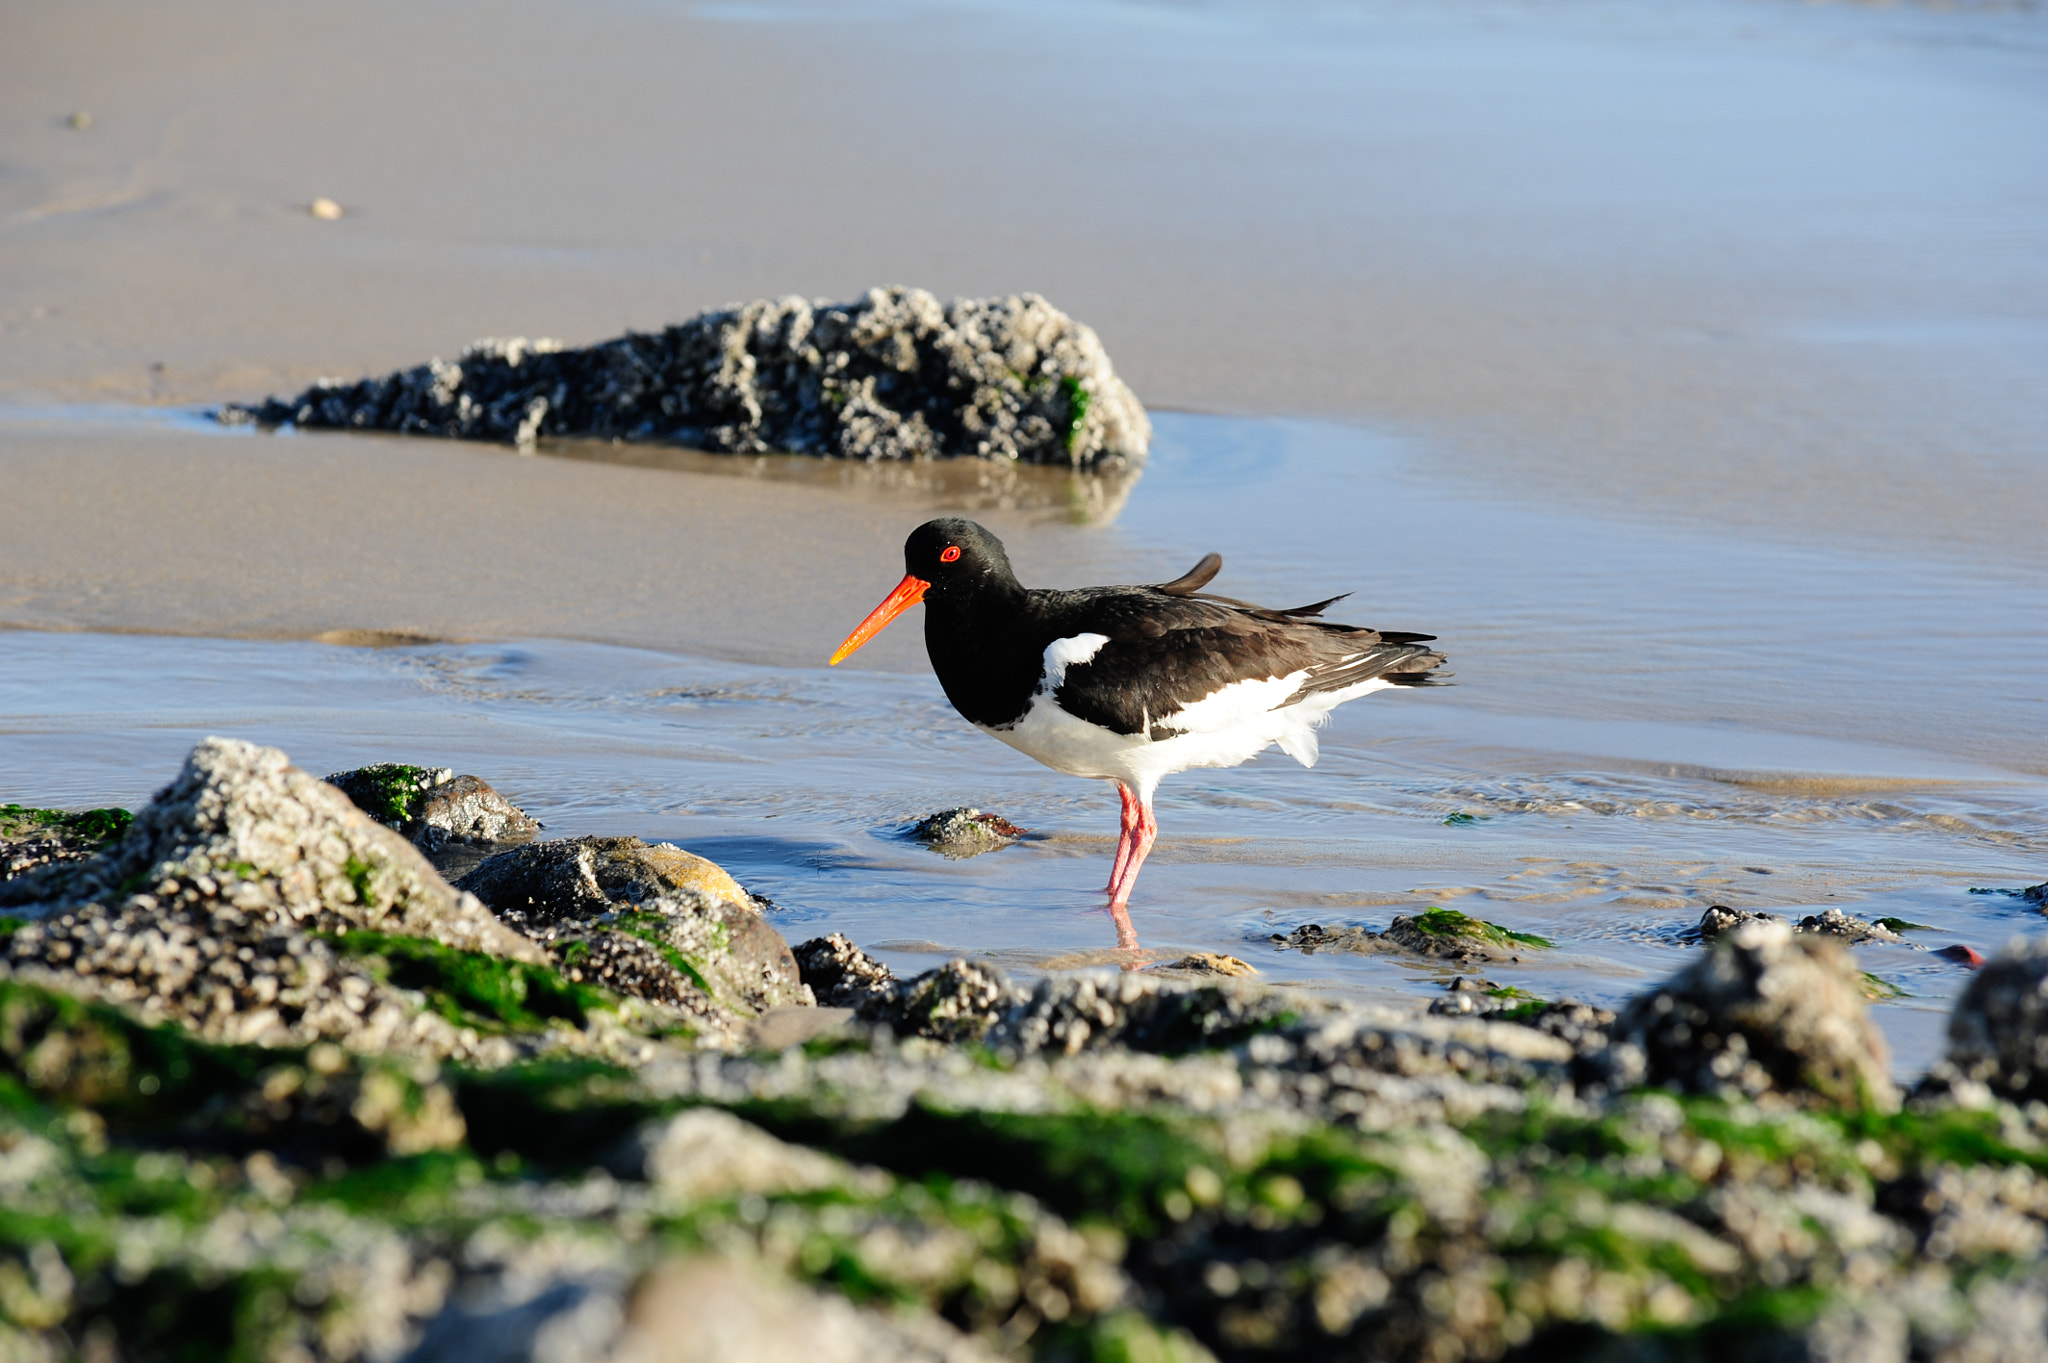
pixel 1132 684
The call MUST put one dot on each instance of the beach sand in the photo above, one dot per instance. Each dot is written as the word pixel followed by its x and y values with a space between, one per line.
pixel 1778 268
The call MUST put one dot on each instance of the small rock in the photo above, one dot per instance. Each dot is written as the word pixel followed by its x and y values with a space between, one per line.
pixel 1310 938
pixel 645 919
pixel 965 832
pixel 1451 935
pixel 327 210
pixel 2036 894
pixel 1720 919
pixel 1209 963
pixel 456 821
pixel 704 1153
pixel 1765 1012
pixel 959 1001
pixel 840 974
pixel 1835 923
pixel 30 837
pixel 80 121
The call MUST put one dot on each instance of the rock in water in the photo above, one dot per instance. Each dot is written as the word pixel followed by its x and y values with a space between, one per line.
pixel 964 832
pixel 645 919
pixel 895 375
pixel 1767 1012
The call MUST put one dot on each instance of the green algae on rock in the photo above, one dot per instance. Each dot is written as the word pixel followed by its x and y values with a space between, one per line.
pixel 648 920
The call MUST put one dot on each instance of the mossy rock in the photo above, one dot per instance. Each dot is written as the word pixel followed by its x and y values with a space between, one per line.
pixel 646 919
pixel 1456 936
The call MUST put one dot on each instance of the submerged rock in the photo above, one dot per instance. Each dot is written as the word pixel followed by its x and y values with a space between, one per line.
pixel 1848 929
pixel 1720 919
pixel 1209 963
pixel 1310 938
pixel 1767 1013
pixel 964 832
pixel 894 375
pixel 645 919
pixel 1444 934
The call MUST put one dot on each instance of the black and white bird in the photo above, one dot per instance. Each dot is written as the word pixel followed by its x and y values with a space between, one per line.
pixel 1132 684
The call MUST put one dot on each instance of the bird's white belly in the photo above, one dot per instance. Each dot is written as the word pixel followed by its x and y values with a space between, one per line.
pixel 1232 726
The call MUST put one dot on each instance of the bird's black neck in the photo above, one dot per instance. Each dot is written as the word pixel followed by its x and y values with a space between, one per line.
pixel 985 651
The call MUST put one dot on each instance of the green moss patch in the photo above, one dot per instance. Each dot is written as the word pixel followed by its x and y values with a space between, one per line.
pixel 93 826
pixel 1439 922
pixel 389 792
pixel 1078 400
pixel 471 988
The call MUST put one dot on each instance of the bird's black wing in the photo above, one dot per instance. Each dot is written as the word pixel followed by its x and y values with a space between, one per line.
pixel 1164 652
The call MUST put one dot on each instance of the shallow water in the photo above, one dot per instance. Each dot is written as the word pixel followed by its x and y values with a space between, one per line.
pixel 1646 721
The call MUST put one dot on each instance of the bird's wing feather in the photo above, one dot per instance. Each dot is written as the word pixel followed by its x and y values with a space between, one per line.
pixel 1166 653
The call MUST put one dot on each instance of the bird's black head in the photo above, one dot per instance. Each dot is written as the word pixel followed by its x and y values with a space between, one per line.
pixel 959 559
pixel 955 565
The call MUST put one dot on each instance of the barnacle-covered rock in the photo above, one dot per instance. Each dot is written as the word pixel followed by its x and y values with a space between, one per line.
pixel 1767 1012
pixel 893 375
pixel 646 919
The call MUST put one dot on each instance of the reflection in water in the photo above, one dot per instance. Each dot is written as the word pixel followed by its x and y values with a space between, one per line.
pixel 1040 491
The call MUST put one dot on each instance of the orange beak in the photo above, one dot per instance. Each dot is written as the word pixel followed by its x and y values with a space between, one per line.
pixel 908 593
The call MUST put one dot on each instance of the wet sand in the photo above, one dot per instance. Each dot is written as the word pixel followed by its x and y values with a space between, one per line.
pixel 1772 267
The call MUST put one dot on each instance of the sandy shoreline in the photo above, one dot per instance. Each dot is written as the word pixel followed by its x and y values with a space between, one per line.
pixel 1539 239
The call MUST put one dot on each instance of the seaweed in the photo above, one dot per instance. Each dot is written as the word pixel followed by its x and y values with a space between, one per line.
pixel 473 988
pixel 1439 922
pixel 93 826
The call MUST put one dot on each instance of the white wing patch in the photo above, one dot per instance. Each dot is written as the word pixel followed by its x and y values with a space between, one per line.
pixel 1062 654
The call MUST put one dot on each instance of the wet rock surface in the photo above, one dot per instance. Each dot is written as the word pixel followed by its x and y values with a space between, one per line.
pixel 455 821
pixel 964 832
pixel 841 975
pixel 1107 1165
pixel 1442 934
pixel 1998 1034
pixel 644 919
pixel 893 375
pixel 1766 1014
pixel 30 838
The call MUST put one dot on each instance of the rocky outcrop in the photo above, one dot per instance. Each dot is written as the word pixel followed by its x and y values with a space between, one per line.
pixel 234 902
pixel 1767 1014
pixel 893 375
pixel 644 919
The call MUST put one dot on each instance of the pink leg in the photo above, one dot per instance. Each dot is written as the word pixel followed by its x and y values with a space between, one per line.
pixel 1139 834
pixel 1128 821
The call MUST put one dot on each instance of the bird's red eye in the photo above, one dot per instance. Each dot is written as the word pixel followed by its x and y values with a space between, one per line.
pixel 950 553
